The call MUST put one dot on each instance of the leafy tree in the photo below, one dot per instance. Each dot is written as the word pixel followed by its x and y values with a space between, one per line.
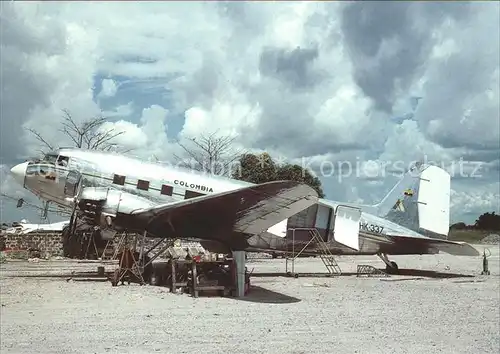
pixel 458 226
pixel 488 221
pixel 261 168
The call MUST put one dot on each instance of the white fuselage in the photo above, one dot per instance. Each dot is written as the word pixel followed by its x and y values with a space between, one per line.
pixel 159 182
pixel 418 225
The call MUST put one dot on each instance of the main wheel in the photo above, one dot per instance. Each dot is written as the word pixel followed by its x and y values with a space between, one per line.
pixel 72 246
pixel 66 242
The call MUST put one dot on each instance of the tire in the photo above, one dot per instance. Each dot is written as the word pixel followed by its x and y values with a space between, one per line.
pixel 66 242
pixel 393 269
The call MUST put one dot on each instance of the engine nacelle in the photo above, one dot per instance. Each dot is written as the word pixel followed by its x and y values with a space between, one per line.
pixel 105 203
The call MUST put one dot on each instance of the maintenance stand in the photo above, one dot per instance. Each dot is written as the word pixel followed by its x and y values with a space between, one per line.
pixel 197 275
pixel 194 273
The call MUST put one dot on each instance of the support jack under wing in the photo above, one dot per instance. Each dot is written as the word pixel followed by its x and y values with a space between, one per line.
pixel 230 217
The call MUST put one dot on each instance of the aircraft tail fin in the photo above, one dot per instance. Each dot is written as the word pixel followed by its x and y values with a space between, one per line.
pixel 420 201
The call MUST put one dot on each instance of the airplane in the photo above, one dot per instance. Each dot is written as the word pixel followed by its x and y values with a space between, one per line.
pixel 116 193
pixel 24 227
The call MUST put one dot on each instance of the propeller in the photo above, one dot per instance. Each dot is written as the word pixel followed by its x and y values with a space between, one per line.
pixel 76 199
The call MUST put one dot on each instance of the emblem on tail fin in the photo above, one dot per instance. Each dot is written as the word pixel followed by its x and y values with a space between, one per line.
pixel 399 206
pixel 408 192
pixel 421 202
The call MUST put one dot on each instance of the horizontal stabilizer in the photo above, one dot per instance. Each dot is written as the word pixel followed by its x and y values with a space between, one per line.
pixel 456 248
pixel 451 247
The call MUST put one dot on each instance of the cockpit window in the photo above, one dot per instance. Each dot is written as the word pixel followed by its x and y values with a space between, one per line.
pixel 50 158
pixel 55 159
pixel 41 169
pixel 33 170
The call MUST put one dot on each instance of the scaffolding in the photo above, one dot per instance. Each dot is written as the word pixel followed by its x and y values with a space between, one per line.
pixel 321 250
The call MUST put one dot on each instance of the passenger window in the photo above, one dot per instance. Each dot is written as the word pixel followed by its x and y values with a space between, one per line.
pixel 167 190
pixel 192 194
pixel 142 185
pixel 118 179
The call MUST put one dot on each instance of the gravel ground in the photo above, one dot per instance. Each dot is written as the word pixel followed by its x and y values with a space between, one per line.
pixel 281 315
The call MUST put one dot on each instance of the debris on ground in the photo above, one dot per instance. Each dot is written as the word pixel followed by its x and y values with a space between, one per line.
pixel 491 239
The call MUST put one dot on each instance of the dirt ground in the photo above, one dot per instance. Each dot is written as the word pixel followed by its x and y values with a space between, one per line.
pixel 455 310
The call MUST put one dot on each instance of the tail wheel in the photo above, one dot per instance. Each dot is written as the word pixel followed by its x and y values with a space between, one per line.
pixel 393 269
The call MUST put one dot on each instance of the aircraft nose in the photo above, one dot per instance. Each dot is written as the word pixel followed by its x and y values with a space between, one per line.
pixel 19 172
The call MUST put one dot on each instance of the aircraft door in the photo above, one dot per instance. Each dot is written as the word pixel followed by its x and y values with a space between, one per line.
pixel 71 186
pixel 346 226
pixel 322 220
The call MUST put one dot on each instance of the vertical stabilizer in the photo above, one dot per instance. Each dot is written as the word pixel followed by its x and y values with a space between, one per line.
pixel 420 201
pixel 402 189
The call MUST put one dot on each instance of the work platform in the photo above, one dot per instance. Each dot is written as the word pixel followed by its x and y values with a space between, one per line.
pixel 230 276
pixel 197 276
pixel 194 273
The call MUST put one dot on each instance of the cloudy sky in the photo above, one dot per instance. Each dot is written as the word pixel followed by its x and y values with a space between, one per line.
pixel 326 84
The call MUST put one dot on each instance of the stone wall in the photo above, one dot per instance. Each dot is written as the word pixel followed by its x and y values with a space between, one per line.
pixel 48 244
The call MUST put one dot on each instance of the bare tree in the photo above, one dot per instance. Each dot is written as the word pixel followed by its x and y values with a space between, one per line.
pixel 87 134
pixel 210 153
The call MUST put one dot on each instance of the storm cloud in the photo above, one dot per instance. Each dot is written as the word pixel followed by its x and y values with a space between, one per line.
pixel 323 81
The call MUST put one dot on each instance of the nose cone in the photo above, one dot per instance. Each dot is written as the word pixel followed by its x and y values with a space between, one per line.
pixel 19 172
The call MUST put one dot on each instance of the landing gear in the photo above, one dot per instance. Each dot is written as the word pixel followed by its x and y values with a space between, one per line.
pixel 82 245
pixel 391 267
pixel 71 244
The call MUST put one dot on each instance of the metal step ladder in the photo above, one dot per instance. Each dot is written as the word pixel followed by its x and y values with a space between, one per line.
pixel 322 251
pixel 326 256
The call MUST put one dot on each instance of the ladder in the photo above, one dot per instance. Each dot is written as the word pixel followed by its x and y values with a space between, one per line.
pixel 326 256
pixel 323 251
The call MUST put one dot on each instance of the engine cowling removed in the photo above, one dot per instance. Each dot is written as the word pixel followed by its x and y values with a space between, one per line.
pixel 101 205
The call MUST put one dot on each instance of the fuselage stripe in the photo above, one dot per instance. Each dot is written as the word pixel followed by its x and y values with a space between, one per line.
pixel 90 175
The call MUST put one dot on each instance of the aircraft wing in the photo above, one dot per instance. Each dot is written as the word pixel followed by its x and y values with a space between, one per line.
pixel 249 210
pixel 451 247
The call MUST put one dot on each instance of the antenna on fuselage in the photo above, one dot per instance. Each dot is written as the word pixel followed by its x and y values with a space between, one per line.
pixel 45 210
